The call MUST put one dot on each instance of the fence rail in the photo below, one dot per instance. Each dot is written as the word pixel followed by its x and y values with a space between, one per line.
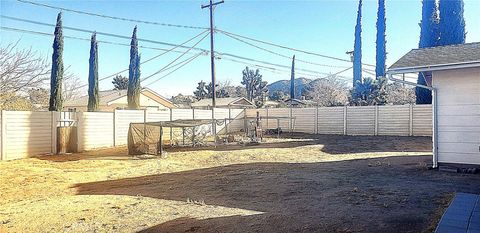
pixel 24 134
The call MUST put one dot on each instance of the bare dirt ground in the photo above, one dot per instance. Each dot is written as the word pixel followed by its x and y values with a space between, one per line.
pixel 304 183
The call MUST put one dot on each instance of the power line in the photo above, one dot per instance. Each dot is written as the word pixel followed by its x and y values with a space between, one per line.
pixel 98 33
pixel 158 42
pixel 279 54
pixel 183 63
pixel 182 26
pixel 152 58
pixel 111 17
pixel 85 39
pixel 265 62
pixel 288 48
pixel 274 70
pixel 174 60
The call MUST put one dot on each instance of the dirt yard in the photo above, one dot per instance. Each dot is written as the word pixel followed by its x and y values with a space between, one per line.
pixel 300 184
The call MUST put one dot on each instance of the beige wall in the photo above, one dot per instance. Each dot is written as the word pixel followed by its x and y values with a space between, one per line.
pixel 145 101
pixel 458 112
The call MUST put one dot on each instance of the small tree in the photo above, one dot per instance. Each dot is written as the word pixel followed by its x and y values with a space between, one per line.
pixel 369 92
pixel 255 87
pixel 133 90
pixel 201 92
pixel 120 82
pixel 327 92
pixel 400 94
pixel 93 98
pixel 56 77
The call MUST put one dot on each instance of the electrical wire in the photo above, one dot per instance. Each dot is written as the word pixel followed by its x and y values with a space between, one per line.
pixel 183 63
pixel 84 39
pixel 174 60
pixel 181 26
pixel 288 48
pixel 279 54
pixel 265 62
pixel 152 58
pixel 110 17
pixel 98 32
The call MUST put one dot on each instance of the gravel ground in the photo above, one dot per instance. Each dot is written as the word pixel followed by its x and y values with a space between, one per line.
pixel 303 183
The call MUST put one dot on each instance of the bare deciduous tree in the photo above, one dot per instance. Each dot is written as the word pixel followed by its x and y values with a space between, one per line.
pixel 22 69
pixel 327 92
pixel 24 79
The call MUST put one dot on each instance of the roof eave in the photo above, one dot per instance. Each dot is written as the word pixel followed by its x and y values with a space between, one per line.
pixel 417 69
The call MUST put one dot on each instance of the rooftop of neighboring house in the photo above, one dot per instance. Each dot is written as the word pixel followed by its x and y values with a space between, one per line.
pixel 107 97
pixel 229 101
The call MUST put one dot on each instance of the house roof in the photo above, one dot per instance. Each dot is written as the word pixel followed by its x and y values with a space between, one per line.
pixel 440 56
pixel 229 101
pixel 105 97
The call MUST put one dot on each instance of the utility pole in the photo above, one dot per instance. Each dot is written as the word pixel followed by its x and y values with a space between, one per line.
pixel 212 51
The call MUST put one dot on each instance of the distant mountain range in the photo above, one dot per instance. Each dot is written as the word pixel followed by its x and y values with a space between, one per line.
pixel 284 86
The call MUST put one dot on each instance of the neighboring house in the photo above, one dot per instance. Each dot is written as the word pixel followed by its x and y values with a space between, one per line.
pixel 231 102
pixel 296 103
pixel 117 99
pixel 271 104
pixel 453 74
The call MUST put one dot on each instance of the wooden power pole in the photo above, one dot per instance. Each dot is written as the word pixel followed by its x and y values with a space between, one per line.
pixel 212 53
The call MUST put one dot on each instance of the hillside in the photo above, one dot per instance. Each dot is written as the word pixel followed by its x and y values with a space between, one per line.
pixel 284 86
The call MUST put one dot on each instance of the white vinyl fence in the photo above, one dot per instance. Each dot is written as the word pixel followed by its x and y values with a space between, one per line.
pixel 395 120
pixel 24 134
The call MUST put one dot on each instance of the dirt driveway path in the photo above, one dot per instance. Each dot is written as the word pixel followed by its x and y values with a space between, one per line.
pixel 318 184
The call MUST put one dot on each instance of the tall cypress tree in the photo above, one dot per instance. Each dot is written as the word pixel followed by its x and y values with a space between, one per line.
pixel 428 38
pixel 451 26
pixel 381 41
pixel 133 90
pixel 292 80
pixel 56 75
pixel 357 49
pixel 93 98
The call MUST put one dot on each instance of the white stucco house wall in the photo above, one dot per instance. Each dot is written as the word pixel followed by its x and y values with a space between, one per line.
pixel 453 74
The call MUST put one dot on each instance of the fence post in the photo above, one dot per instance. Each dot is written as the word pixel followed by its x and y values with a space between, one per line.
pixel 171 132
pixel 290 115
pixel 315 131
pixel 410 111
pixel 3 135
pixel 229 117
pixel 375 133
pixel 345 120
pixel 54 132
pixel 115 127
pixel 266 109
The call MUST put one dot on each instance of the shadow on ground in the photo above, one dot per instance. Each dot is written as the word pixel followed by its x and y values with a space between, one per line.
pixel 390 194
pixel 331 144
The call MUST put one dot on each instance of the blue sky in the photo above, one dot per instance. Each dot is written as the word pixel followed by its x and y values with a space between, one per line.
pixel 323 26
